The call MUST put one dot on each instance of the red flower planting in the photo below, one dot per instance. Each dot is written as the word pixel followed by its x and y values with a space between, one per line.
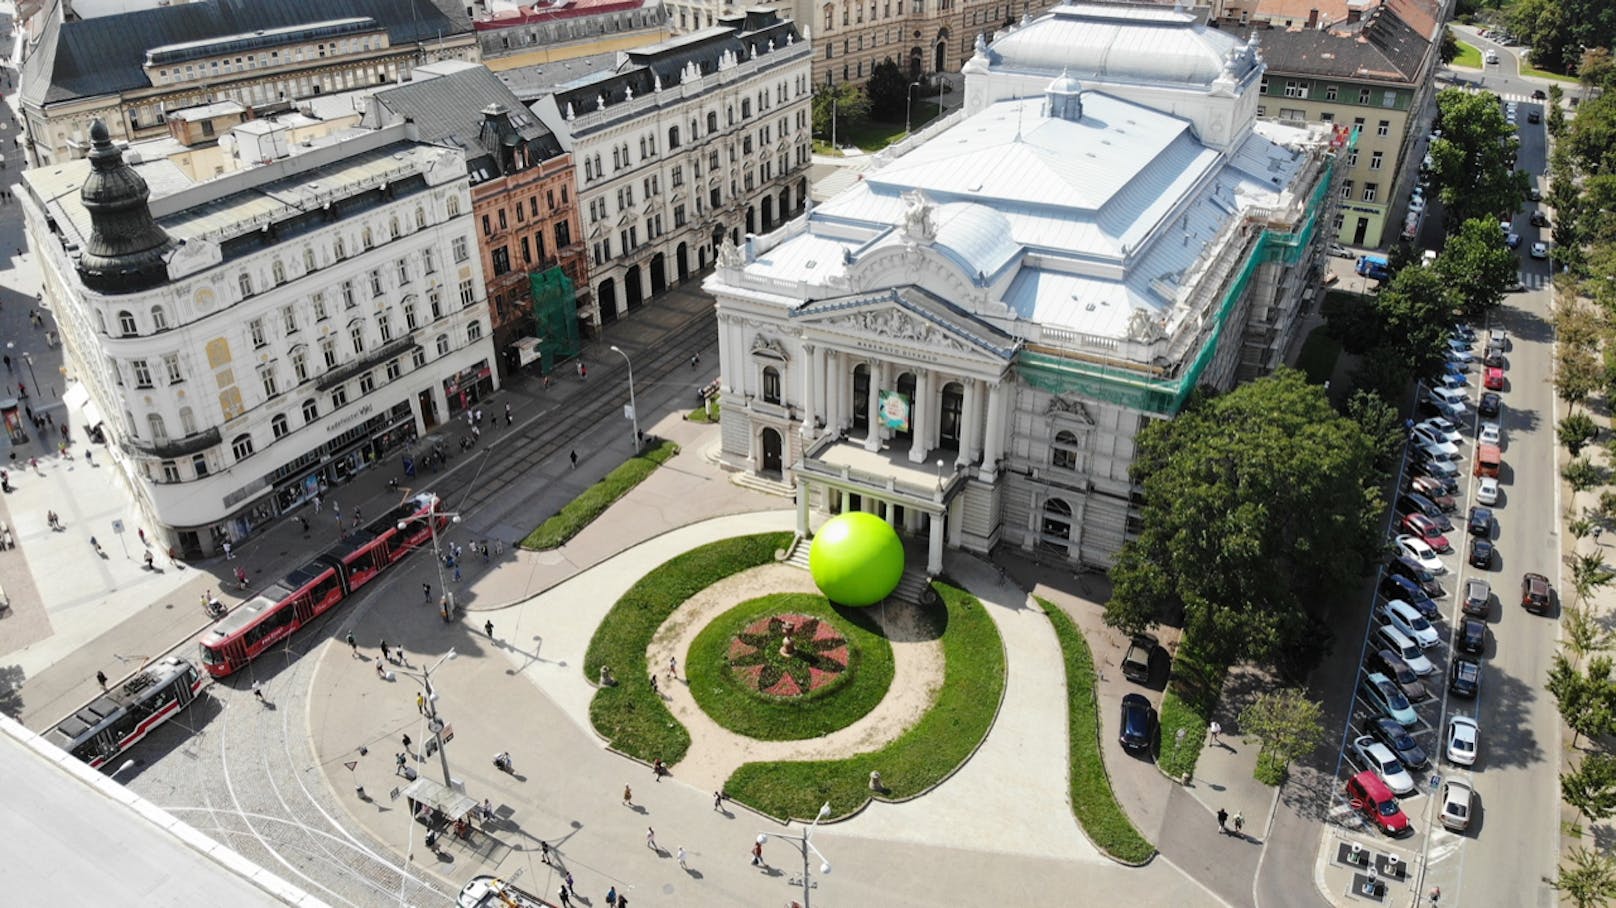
pixel 761 660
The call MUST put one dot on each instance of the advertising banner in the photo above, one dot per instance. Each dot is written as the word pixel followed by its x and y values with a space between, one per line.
pixel 894 410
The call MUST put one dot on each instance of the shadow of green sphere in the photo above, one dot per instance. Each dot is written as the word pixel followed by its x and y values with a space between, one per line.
pixel 856 559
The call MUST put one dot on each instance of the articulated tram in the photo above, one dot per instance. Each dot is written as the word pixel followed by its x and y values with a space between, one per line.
pixel 112 723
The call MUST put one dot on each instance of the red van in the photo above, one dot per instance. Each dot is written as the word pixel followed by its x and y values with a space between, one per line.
pixel 1370 796
pixel 1488 459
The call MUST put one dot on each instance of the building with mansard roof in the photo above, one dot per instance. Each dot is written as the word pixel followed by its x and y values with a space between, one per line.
pixel 969 340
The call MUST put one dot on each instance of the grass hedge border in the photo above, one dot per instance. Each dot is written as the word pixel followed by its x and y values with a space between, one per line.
pixel 593 501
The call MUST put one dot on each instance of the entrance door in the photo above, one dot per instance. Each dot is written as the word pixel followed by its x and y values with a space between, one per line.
pixel 948 425
pixel 771 451
pixel 606 299
pixel 861 397
pixel 906 387
pixel 751 221
pixel 429 410
pixel 768 212
pixel 682 263
pixel 659 275
pixel 1361 232
pixel 633 293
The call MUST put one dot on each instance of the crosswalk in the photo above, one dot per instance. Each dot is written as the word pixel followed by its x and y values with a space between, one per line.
pixel 1520 97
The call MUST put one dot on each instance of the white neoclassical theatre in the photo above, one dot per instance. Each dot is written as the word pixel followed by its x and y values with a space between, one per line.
pixel 968 341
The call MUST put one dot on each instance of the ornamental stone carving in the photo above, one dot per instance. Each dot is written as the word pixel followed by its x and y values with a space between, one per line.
pixel 894 324
pixel 1076 408
pixel 1143 328
pixel 917 217
pixel 770 347
pixel 729 256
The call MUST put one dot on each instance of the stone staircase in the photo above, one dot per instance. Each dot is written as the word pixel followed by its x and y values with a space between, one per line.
pixel 911 587
pixel 761 484
pixel 798 554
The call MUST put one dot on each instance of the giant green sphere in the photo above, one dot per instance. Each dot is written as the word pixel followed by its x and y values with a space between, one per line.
pixel 856 559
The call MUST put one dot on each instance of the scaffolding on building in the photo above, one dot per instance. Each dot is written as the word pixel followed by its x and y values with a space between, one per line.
pixel 555 317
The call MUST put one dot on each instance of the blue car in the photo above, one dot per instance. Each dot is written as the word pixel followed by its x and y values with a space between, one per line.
pixel 1396 586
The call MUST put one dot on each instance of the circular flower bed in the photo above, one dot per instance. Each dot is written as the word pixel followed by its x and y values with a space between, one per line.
pixel 758 655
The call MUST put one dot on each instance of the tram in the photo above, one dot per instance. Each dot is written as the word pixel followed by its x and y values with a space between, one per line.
pixel 112 723
pixel 315 588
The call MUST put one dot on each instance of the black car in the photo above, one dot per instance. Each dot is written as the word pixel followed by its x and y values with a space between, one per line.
pixel 1491 404
pixel 1495 359
pixel 1396 586
pixel 1391 733
pixel 1481 553
pixel 1539 94
pixel 1415 503
pixel 1478 598
pixel 1405 567
pixel 1464 677
pixel 1481 522
pixel 1539 219
pixel 1533 116
pixel 1392 666
pixel 1138 722
pixel 1472 636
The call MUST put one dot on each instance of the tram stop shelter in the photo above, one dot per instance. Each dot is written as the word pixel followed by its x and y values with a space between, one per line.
pixel 438 803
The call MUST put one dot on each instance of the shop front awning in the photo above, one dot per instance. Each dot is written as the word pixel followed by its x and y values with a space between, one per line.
pixel 527 350
pixel 77 399
pixel 450 803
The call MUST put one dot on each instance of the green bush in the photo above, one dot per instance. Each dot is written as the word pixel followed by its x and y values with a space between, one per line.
pixel 750 712
pixel 1187 707
pixel 1269 771
pixel 582 511
pixel 700 413
pixel 629 715
pixel 1093 801
pixel 943 739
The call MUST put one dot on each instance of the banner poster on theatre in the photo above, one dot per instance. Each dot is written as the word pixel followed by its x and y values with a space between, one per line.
pixel 894 407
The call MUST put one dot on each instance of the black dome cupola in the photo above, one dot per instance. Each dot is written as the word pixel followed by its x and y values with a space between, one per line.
pixel 126 251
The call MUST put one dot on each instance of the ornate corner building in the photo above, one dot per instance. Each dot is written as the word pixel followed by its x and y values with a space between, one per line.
pixel 969 340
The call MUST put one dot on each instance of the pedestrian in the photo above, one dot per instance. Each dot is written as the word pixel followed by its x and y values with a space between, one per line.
pixel 499 547
pixel 488 811
pixel 1223 819
pixel 457 573
pixel 718 800
pixel 622 901
pixel 658 769
pixel 650 839
pixel 1239 823
pixel 101 679
pixel 611 897
pixel 89 457
pixel 682 864
pixel 258 691
pixel 1214 730
pixel 757 855
pixel 22 390
pixel 628 796
pixel 426 592
pixel 476 434
pixel 8 363
pixel 229 551
pixel 318 501
pixel 568 878
pixel 336 508
pixel 508 417
pixel 141 532
pixel 488 628
pixel 381 670
pixel 398 763
pixel 304 521
pixel 694 359
pixel 566 900
pixel 386 654
pixel 420 703
pixel 575 458
pixel 406 740
pixel 583 372
pixel 485 551
pixel 544 851
pixel 654 689
pixel 673 667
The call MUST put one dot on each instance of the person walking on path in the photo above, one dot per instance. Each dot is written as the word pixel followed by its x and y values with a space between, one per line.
pixel 426 592
pixel 508 417
pixel 229 551
pixel 566 900
pixel 650 839
pixel 406 741
pixel 628 796
pixel 757 855
pixel 318 501
pixel 575 458
pixel 1239 824
pixel 673 667
pixel 386 653
pixel 420 703
pixel 583 371
pixel 353 644
pixel 258 691
pixel 1223 819
pixel 567 876
pixel 682 864
pixel 1215 730
pixel 381 670
pixel 611 897
pixel 718 800
pixel 488 628
pixel 544 851
pixel 101 679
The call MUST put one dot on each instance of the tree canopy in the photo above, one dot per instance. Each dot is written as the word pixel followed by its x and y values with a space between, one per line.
pixel 850 103
pixel 1254 502
pixel 888 91
pixel 1473 162
pixel 1414 313
pixel 1558 30
pixel 1476 265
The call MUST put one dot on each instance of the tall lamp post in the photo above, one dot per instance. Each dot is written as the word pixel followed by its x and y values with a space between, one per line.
pixel 633 411
pixel 437 556
pixel 27 358
pixel 804 845
pixel 433 722
pixel 908 102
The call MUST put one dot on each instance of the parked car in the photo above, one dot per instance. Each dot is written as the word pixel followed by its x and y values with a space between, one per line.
pixel 1452 378
pixel 1481 553
pixel 1491 405
pixel 1539 219
pixel 1136 661
pixel 1513 240
pixel 1439 440
pixel 1382 694
pixel 1472 636
pixel 1342 252
pixel 1517 286
pixel 1480 522
pixel 1453 397
pixel 1379 758
pixel 1490 433
pixel 1535 593
pixel 1539 94
pixel 1392 666
pixel 1487 490
pixel 1532 116
pixel 1414 571
pixel 1370 796
pixel 1443 428
pixel 1464 677
pixel 1435 450
pixel 1417 549
pixel 1478 598
pixel 1426 529
pixel 1457 799
pixel 1464 740
pixel 1427 466
pixel 1497 337
pixel 1540 250
pixel 1460 344
pixel 1406 618
pixel 1138 722
pixel 1391 733
pixel 1434 488
pixel 1393 586
pixel 1388 637
pixel 1493 379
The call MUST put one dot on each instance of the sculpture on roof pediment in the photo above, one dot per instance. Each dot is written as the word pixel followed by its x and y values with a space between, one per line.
pixel 570 115
pixel 628 92
pixel 656 82
pixel 980 49
pixel 1143 328
pixel 917 217
pixel 729 255
pixel 600 102
pixel 771 347
pixel 1068 405
pixel 895 324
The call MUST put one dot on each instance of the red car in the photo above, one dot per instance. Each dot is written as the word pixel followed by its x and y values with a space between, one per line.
pixel 1425 528
pixel 1369 795
pixel 1494 379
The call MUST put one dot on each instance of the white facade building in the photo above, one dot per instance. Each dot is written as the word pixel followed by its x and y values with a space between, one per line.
pixel 969 340
pixel 249 340
pixel 685 143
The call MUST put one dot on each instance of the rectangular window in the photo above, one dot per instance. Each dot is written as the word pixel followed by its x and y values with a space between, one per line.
pixel 427 265
pixel 143 377
pixel 410 322
pixel 289 319
pixel 1371 191
pixel 1292 113
pixel 171 366
pixel 300 366
pixel 171 471
pixel 1384 129
pixel 375 282
pixel 460 249
pixel 468 293
pixel 1376 159
pixel 1389 99
pixel 339 397
pixel 367 383
pixel 255 330
pixel 328 349
pixel 199 465
pixel 348 301
pixel 1363 96
pixel 384 326
pixel 393 369
pixel 356 335
pixel 244 281
pixel 1329 92
pixel 678 216
pixel 418 358
pixel 271 387
pixel 320 313
pixel 1346 189
pixel 434 301
pixel 502 260
pixel 1295 89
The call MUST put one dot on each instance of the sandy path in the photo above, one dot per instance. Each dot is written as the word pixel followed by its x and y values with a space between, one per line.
pixel 715 751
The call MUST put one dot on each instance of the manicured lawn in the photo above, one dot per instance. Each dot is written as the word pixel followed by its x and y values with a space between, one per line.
pixel 921 757
pixel 700 414
pixel 630 715
pixel 1469 55
pixel 823 147
pixel 1093 801
pixel 582 511
pixel 1318 356
pixel 1187 706
pixel 745 710
pixel 1528 69
pixel 872 136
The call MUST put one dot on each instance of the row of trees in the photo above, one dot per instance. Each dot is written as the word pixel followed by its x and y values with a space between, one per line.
pixel 1558 31
pixel 884 97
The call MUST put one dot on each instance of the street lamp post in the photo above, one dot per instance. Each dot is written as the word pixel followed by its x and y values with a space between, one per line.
pixel 437 555
pixel 27 358
pixel 433 722
pixel 805 844
pixel 908 102
pixel 633 411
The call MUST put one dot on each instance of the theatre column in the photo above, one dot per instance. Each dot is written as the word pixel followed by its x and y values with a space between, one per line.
pixel 934 545
pixel 804 492
pixel 810 392
pixel 993 445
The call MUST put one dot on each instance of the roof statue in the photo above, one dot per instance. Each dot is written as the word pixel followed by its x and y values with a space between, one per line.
pixel 656 81
pixel 1144 327
pixel 981 49
pixel 628 92
pixel 570 114
pixel 600 102
pixel 728 255
pixel 917 217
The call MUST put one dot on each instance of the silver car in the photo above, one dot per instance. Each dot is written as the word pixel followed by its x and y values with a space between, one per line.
pixel 1458 801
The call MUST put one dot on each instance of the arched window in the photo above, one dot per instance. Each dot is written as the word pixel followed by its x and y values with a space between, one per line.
pixel 771 385
pixel 1055 531
pixel 154 424
pixel 159 318
pixel 443 344
pixel 673 137
pixel 277 272
pixel 278 425
pixel 830 15
pixel 187 421
pixel 366 238
pixel 454 205
pixel 311 410
pixel 1063 453
pixel 392 227
pixel 712 122
pixel 242 447
pixel 126 323
pixel 474 331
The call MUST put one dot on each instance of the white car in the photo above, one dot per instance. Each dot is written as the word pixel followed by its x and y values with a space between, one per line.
pixel 1453 397
pixel 1498 337
pixel 1457 800
pixel 1388 637
pixel 1442 428
pixel 1490 434
pixel 1540 250
pixel 1415 549
pixel 1378 758
pixel 1487 491
pixel 1435 436
pixel 1460 357
pixel 1437 450
pixel 1416 204
pixel 1406 618
pixel 1464 740
pixel 1461 344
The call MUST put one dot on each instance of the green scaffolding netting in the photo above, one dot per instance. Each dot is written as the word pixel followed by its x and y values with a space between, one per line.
pixel 555 317
pixel 1164 396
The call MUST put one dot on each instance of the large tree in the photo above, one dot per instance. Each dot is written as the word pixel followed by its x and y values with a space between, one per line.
pixel 1584 698
pixel 1589 880
pixel 1591 787
pixel 1476 265
pixel 846 99
pixel 1473 168
pixel 1415 311
pixel 1255 503
pixel 888 91
pixel 1288 724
